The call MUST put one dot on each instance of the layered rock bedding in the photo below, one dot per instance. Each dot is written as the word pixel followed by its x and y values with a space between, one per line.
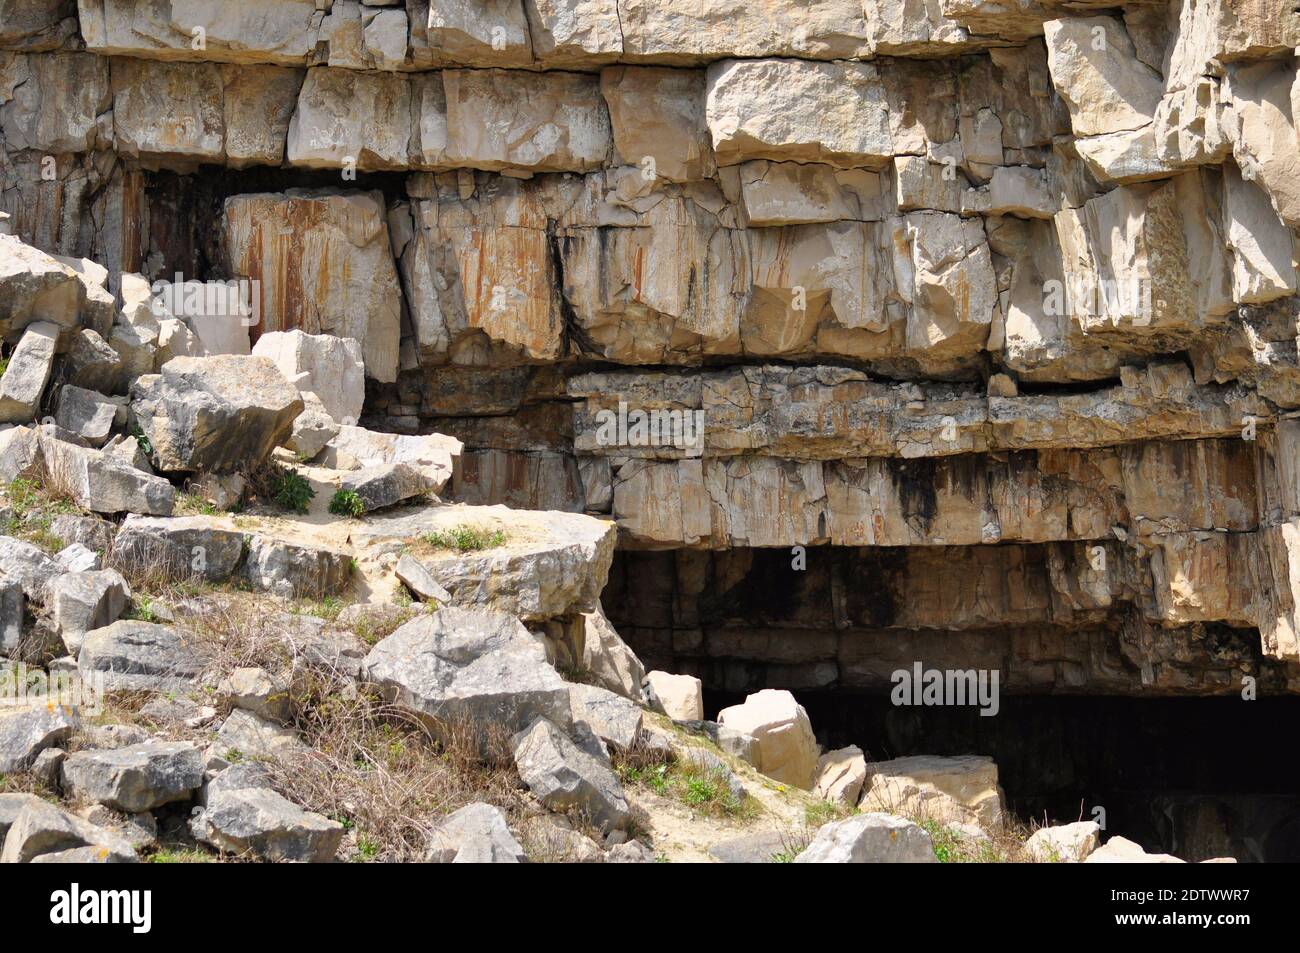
pixel 465 431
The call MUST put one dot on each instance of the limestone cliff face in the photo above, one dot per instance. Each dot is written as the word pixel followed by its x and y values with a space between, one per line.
pixel 996 302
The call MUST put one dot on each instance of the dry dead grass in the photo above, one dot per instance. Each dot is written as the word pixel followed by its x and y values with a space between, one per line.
pixel 388 775
pixel 25 782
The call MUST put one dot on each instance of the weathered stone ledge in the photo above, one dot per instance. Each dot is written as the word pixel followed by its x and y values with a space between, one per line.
pixel 829 413
pixel 1244 580
pixel 1135 658
pixel 966 500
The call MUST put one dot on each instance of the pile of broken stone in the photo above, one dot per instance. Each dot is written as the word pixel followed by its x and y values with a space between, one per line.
pixel 136 406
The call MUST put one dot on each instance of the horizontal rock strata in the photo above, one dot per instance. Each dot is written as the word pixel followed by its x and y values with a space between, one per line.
pixel 978 297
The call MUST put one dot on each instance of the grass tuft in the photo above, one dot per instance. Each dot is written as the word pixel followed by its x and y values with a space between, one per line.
pixel 283 486
pixel 347 503
pixel 465 539
pixel 704 790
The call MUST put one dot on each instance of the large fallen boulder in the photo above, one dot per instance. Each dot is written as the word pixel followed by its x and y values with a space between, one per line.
pixel 384 485
pixel 141 656
pixel 179 547
pixel 869 839
pixel 82 601
pixel 92 363
pixel 101 481
pixel 957 790
pixel 28 371
pixel 246 735
pixel 11 805
pixel 214 413
pixel 607 659
pixel 36 287
pixel 25 734
pixel 840 775
pixel 86 413
pixel 544 565
pixel 312 429
pixel 261 694
pixel 611 717
pixel 552 839
pixel 331 368
pixel 567 778
pixel 1066 843
pixel 680 697
pixel 420 581
pixel 1121 850
pixel 785 747
pixel 256 819
pixel 79 558
pixel 42 828
pixel 356 448
pixel 12 605
pixel 134 778
pixel 20 454
pixel 275 559
pixel 93 532
pixel 29 566
pixel 475 666
pixel 295 570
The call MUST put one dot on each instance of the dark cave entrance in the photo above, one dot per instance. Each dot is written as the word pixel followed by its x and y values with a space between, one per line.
pixel 1154 733
pixel 1194 777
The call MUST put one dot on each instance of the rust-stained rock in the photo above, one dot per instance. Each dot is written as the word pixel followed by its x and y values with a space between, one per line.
pixel 324 266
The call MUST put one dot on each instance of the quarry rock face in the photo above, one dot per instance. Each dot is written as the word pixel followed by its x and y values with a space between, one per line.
pixel 335 276
pixel 772 350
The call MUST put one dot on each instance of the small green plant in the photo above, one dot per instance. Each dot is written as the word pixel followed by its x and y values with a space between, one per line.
pixel 823 812
pixel 367 847
pixel 292 491
pixel 142 610
pixel 699 787
pixel 347 503
pixel 700 791
pixel 328 608
pixel 944 842
pixel 24 495
pixel 179 856
pixel 465 539
pixel 953 847
pixel 194 503
pixel 33 508
pixel 653 776
pixel 145 444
